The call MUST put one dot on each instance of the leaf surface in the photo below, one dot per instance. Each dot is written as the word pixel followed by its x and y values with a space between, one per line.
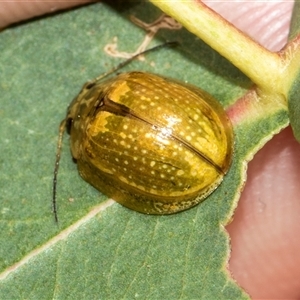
pixel 293 97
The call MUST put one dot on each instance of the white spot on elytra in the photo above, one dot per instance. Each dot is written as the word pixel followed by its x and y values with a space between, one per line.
pixel 180 172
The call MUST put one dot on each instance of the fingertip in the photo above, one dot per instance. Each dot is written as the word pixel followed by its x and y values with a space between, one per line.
pixel 17 11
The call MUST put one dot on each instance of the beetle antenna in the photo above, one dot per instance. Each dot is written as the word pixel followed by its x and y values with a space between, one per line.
pixel 62 128
pixel 129 60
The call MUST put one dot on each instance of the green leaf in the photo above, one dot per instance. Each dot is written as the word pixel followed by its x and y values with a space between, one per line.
pixel 294 107
pixel 295 22
pixel 293 97
pixel 101 249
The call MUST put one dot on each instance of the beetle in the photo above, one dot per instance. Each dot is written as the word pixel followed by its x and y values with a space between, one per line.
pixel 153 144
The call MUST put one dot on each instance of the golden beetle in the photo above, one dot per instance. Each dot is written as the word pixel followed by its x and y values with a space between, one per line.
pixel 155 145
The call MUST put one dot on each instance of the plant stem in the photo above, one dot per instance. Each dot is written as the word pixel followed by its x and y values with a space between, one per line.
pixel 259 64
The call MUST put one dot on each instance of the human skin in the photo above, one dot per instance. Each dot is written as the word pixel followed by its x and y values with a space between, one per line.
pixel 265 230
